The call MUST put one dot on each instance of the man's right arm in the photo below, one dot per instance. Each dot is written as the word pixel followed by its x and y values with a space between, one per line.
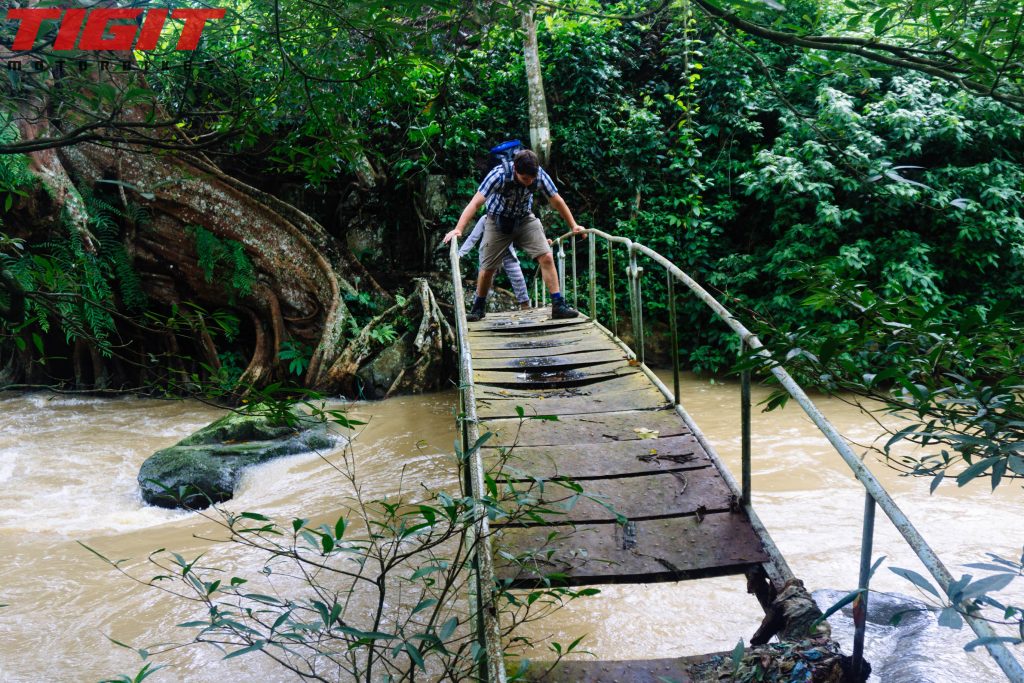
pixel 467 215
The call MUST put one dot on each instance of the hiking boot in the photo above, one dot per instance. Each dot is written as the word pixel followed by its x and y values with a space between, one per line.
pixel 524 306
pixel 563 310
pixel 476 313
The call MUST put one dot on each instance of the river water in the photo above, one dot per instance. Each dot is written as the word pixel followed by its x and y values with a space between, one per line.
pixel 68 468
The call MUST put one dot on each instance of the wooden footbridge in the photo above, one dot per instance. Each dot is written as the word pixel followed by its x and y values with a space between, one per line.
pixel 620 440
pixel 615 483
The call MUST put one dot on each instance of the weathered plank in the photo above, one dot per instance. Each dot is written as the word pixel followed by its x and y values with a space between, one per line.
pixel 541 346
pixel 584 429
pixel 625 391
pixel 537 340
pixel 550 362
pixel 661 494
pixel 493 324
pixel 649 399
pixel 624 382
pixel 597 460
pixel 671 549
pixel 552 379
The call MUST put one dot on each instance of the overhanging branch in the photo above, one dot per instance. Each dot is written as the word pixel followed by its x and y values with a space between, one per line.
pixel 943 65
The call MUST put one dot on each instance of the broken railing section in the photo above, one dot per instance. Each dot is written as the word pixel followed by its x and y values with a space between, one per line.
pixel 875 493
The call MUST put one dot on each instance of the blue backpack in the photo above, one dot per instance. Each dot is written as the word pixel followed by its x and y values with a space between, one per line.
pixel 503 154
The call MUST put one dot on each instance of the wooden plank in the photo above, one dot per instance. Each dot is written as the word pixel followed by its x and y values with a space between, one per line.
pixel 663 494
pixel 526 323
pixel 552 379
pixel 624 382
pixel 599 460
pixel 671 549
pixel 692 669
pixel 550 361
pixel 536 340
pixel 631 391
pixel 541 346
pixel 584 429
pixel 649 399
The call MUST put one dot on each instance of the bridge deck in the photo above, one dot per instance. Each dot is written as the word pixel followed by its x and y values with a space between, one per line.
pixel 646 505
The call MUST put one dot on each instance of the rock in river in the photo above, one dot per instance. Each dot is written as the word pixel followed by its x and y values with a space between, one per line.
pixel 204 468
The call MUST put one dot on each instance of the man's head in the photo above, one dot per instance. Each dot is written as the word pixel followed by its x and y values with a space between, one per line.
pixel 526 165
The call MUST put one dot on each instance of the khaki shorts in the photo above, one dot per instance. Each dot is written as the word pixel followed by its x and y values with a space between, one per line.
pixel 528 235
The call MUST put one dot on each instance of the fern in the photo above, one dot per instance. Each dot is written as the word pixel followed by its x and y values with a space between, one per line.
pixel 103 222
pixel 15 178
pixel 225 259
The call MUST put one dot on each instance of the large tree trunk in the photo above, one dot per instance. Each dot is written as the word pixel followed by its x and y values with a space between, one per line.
pixel 301 272
pixel 540 128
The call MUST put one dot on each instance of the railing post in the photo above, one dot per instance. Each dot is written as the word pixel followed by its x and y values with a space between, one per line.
pixel 575 296
pixel 673 326
pixel 561 267
pixel 592 263
pixel 860 606
pixel 745 430
pixel 611 288
pixel 634 304
pixel 536 290
pixel 640 314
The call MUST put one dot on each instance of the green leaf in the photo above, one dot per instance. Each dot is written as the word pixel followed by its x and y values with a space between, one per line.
pixel 841 603
pixel 424 604
pixel 737 655
pixel 255 515
pixel 424 571
pixel 266 599
pixel 448 628
pixel 415 656
pixel 255 647
pixel 989 584
pixel 975 470
pixel 916 579
pixel 950 618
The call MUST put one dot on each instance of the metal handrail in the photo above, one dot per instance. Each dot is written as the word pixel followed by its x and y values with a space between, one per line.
pixel 488 626
pixel 875 492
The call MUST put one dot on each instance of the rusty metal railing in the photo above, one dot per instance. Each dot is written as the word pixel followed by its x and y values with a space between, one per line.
pixel 875 493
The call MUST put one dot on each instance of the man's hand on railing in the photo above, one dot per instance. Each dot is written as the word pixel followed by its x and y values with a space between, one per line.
pixel 577 229
pixel 452 234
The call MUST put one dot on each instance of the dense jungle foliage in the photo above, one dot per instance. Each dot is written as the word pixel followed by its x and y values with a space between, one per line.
pixel 742 160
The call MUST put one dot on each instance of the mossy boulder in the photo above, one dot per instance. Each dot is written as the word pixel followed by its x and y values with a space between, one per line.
pixel 204 468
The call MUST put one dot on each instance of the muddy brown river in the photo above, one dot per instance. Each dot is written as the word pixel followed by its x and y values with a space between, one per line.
pixel 68 469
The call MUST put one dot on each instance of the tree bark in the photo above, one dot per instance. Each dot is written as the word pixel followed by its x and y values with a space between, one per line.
pixel 540 128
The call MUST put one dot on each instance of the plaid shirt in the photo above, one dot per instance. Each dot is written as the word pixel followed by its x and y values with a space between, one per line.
pixel 511 198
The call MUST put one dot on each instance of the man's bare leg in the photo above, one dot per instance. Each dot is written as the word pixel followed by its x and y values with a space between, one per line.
pixel 483 282
pixel 547 272
pixel 559 309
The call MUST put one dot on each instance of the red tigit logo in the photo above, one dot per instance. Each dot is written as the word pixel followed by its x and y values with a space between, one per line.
pixel 96 29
